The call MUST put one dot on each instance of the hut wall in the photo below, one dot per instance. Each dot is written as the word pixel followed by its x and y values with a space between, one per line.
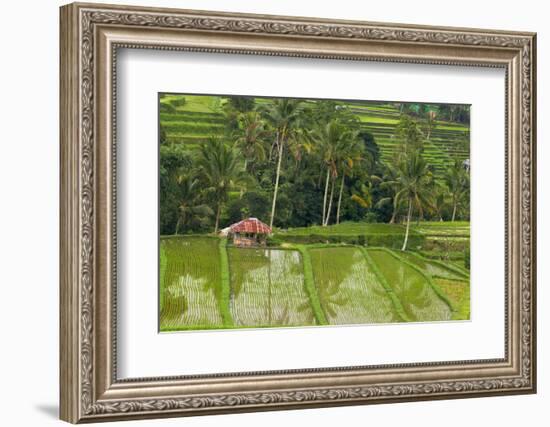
pixel 244 241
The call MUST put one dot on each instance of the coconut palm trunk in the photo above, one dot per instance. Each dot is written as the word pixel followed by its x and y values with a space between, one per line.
pixel 454 211
pixel 278 174
pixel 340 199
pixel 218 213
pixel 325 197
pixel 408 226
pixel 393 216
pixel 244 170
pixel 327 217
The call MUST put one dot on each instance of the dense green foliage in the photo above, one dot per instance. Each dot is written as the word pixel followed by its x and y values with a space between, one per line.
pixel 299 163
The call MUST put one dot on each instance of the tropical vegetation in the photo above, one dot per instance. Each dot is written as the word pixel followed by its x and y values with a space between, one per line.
pixel 369 203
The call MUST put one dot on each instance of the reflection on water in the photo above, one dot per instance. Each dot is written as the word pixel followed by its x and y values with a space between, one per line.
pixel 348 289
pixel 268 288
pixel 191 279
pixel 434 269
pixel 419 300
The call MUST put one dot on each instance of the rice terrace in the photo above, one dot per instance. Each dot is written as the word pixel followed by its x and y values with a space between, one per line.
pixel 280 212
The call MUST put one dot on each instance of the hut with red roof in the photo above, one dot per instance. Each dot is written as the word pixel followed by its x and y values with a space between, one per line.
pixel 249 232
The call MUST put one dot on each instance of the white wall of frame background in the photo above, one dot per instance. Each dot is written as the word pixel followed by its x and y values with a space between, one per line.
pixel 29 171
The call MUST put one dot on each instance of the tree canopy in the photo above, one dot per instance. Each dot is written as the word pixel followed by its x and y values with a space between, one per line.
pixel 295 163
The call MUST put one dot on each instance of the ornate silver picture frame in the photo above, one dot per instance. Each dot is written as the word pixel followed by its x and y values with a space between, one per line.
pixel 91 34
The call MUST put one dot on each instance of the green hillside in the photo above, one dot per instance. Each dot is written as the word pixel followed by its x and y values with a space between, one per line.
pixel 190 120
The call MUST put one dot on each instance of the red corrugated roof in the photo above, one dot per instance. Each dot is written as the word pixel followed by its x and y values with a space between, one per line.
pixel 250 225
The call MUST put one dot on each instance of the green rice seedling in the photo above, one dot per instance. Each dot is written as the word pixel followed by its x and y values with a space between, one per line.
pixel 435 268
pixel 458 292
pixel 311 289
pixel 268 288
pixel 348 290
pixel 162 271
pixel 419 299
pixel 191 284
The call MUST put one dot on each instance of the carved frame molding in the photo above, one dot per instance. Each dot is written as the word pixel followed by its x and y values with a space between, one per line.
pixel 90 37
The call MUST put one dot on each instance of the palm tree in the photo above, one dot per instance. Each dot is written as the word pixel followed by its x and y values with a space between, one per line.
pixel 457 180
pixel 330 138
pixel 413 181
pixel 221 169
pixel 251 137
pixel 349 157
pixel 283 115
pixel 411 143
pixel 409 134
pixel 439 201
pixel 190 209
pixel 389 182
pixel 430 123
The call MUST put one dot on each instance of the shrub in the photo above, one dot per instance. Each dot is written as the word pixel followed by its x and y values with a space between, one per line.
pixel 371 217
pixel 178 102
pixel 167 108
pixel 392 241
pixel 273 241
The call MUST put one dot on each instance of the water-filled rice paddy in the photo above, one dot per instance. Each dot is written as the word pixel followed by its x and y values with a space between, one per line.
pixel 206 285
pixel 420 301
pixel 267 288
pixel 191 280
pixel 435 268
pixel 348 289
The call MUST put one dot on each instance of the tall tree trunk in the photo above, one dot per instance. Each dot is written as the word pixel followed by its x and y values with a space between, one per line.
pixel 244 170
pixel 454 211
pixel 327 217
pixel 178 226
pixel 408 225
pixel 218 212
pixel 340 199
pixel 393 215
pixel 280 142
pixel 325 197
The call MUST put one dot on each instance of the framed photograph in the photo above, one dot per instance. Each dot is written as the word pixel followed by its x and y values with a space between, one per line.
pixel 266 212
